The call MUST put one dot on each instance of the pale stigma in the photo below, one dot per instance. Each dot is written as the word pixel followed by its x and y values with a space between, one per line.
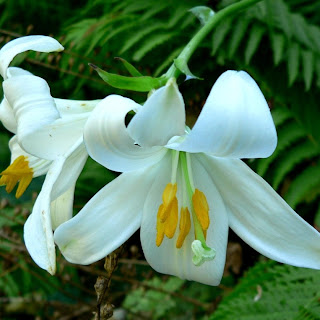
pixel 201 254
pixel 18 171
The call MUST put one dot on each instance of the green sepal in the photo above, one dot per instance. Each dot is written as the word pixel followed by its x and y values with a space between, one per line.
pixel 141 84
pixel 183 67
pixel 130 68
pixel 203 13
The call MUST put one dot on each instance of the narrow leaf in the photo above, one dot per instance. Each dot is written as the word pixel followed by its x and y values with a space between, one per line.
pixel 151 43
pixel 255 37
pixel 303 186
pixel 239 32
pixel 141 84
pixel 307 63
pixel 131 69
pixel 278 42
pixel 220 34
pixel 291 158
pixel 293 62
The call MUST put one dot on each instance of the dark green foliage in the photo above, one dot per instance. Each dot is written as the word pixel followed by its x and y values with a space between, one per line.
pixel 276 41
pixel 273 292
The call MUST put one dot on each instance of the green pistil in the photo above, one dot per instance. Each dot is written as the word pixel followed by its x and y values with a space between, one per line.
pixel 199 235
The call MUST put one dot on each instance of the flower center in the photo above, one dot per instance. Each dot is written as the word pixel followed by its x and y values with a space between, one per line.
pixel 18 171
pixel 194 201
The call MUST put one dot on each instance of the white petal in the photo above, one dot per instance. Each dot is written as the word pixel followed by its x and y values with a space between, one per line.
pixel 62 208
pixel 160 118
pixel 41 131
pixel 19 45
pixel 107 139
pixel 38 165
pixel 73 108
pixel 167 258
pixel 235 121
pixel 7 116
pixel 38 235
pixel 261 217
pixel 15 72
pixel 107 220
pixel 61 177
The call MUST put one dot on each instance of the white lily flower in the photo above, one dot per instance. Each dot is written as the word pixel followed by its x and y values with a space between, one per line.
pixel 186 189
pixel 48 140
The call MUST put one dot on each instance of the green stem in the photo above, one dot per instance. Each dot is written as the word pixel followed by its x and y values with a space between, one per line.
pixel 203 32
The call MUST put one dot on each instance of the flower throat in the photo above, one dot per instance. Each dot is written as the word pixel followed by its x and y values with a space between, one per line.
pixel 194 201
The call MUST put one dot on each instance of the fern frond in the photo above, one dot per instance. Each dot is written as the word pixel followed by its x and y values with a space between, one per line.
pixel 272 292
pixel 304 187
pixel 287 135
pixel 151 43
pixel 256 34
pixel 305 150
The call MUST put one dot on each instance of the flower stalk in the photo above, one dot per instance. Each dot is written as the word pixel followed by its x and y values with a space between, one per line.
pixel 187 52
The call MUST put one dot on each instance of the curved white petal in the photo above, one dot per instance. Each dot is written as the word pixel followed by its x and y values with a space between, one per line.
pixel 235 121
pixel 261 217
pixel 167 258
pixel 107 139
pixel 108 219
pixel 38 165
pixel 61 177
pixel 19 45
pixel 16 71
pixel 160 118
pixel 41 131
pixel 7 116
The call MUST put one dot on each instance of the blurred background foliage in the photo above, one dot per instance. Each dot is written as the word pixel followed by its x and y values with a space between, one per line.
pixel 278 43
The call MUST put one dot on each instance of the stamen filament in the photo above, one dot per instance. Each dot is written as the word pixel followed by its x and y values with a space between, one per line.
pixel 184 226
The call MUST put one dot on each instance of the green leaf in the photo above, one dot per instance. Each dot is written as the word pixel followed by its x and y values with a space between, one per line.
pixel 272 292
pixel 287 135
pixel 293 62
pixel 301 30
pixel 307 63
pixel 255 37
pixel 295 155
pixel 152 43
pixel 278 42
pixel 281 115
pixel 183 67
pixel 141 84
pixel 131 69
pixel 203 13
pixel 300 189
pixel 240 29
pixel 317 217
pixel 220 34
pixel 141 35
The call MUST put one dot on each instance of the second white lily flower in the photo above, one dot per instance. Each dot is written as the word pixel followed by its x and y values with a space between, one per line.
pixel 48 140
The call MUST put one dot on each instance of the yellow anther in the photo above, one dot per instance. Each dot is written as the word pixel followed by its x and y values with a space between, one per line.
pixel 167 217
pixel 168 196
pixel 184 226
pixel 201 209
pixel 18 171
pixel 172 220
pixel 160 228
